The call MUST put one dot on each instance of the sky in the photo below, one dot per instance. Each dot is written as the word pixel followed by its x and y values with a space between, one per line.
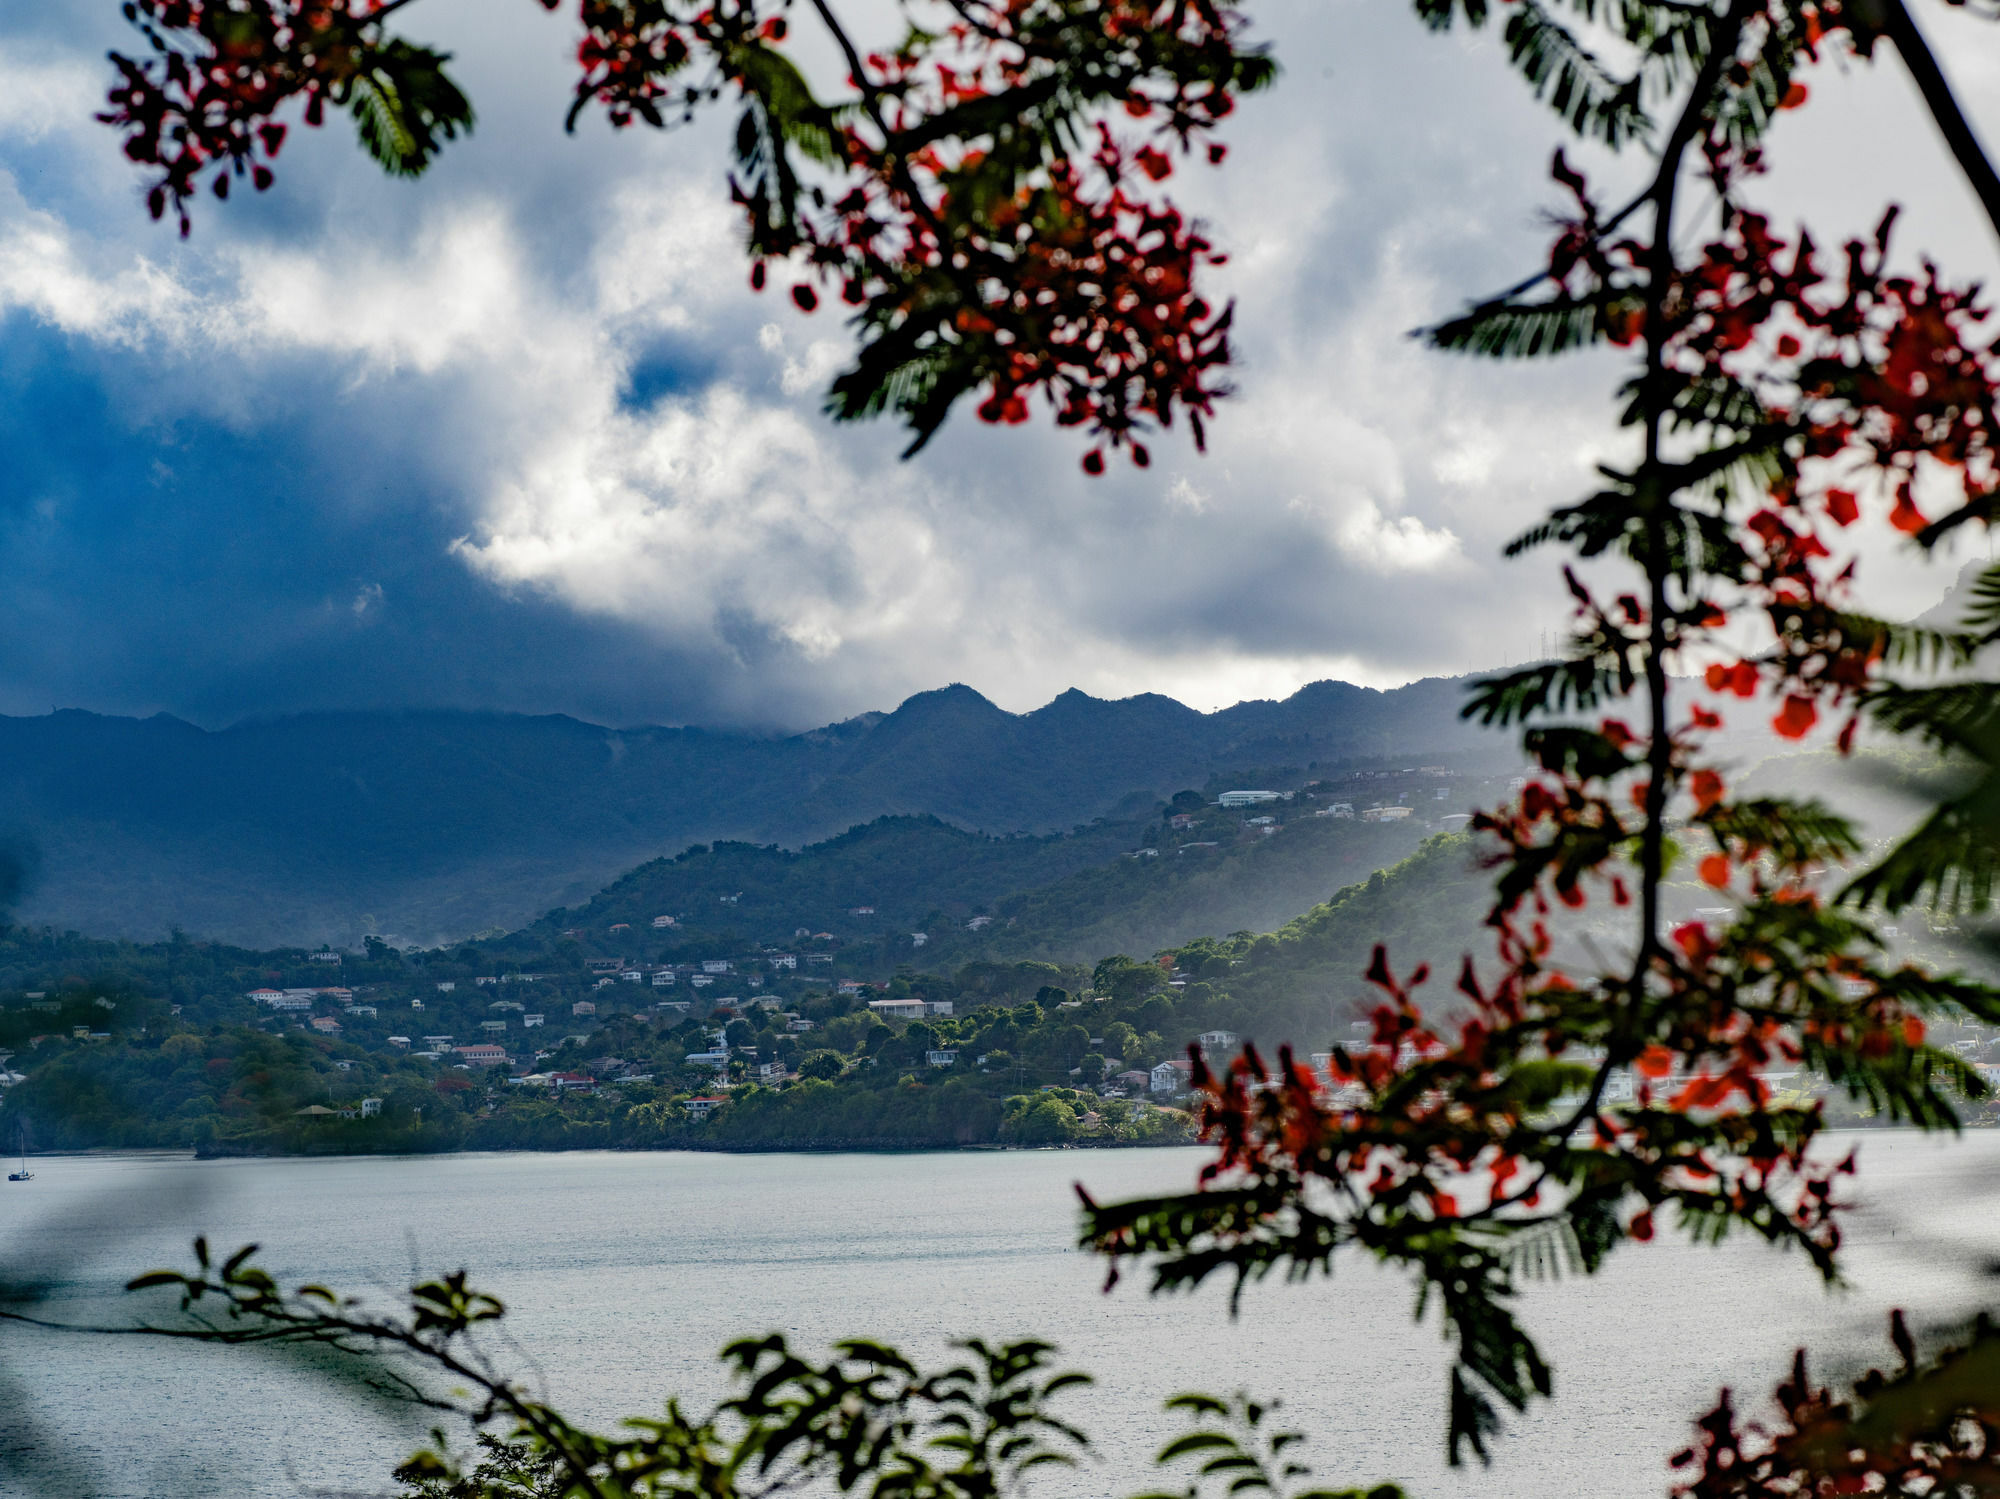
pixel 519 436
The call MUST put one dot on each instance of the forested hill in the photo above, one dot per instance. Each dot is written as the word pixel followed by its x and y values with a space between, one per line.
pixel 431 826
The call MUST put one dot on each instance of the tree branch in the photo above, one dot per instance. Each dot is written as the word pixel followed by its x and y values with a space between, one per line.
pixel 1901 28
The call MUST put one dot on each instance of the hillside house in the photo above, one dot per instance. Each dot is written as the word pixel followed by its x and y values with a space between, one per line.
pixel 662 977
pixel 718 1059
pixel 621 926
pixel 1171 1077
pixel 325 957
pixel 979 923
pixel 1385 814
pixel 583 1007
pixel 700 1108
pixel 784 960
pixel 662 922
pixel 446 986
pixel 529 1022
pixel 326 1025
pixel 1135 1081
pixel 899 1009
pixel 493 1027
pixel 1217 1040
pixel 941 1058
pixel 1245 798
pixel 482 1054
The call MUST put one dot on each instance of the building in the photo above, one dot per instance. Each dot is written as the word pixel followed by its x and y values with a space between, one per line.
pixel 718 1059
pixel 1181 820
pixel 1217 1040
pixel 660 922
pixel 632 975
pixel 603 965
pixel 1245 798
pixel 979 923
pixel 481 1054
pixel 700 1108
pixel 326 1025
pixel 621 926
pixel 1171 1077
pixel 662 977
pixel 918 939
pixel 941 1058
pixel 798 1025
pixel 438 1043
pixel 445 986
pixel 400 1041
pixel 1337 809
pixel 583 1007
pixel 325 957
pixel 492 1026
pixel 528 1022
pixel 784 960
pixel 1135 1081
pixel 491 978
pixel 715 965
pixel 899 1009
pixel 1385 814
pixel 370 1107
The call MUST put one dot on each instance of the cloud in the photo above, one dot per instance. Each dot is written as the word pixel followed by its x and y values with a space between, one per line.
pixel 519 435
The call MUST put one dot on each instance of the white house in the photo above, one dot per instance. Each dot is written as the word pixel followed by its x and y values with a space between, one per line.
pixel 1337 809
pixel 1217 1040
pixel 528 1022
pixel 664 921
pixel 941 1058
pixel 784 960
pixel 715 965
pixel 662 977
pixel 1245 798
pixel 445 986
pixel 1171 1077
pixel 899 1009
pixel 716 1059
pixel 700 1108
pixel 325 957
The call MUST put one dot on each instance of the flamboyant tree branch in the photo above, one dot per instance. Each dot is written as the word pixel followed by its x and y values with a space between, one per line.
pixel 1901 28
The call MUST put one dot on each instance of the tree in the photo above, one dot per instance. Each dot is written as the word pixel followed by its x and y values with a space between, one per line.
pixel 1774 395
pixel 822 1064
pixel 1769 398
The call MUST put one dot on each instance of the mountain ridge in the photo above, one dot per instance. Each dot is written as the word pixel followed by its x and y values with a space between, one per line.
pixel 433 824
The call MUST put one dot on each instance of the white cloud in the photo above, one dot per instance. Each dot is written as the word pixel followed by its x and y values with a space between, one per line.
pixel 498 322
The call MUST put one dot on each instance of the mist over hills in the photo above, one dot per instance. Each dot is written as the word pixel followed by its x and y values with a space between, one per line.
pixel 430 826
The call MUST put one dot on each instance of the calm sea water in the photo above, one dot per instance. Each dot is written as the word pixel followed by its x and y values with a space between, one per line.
pixel 624 1273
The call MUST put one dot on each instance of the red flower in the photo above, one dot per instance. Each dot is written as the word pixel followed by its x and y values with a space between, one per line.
pixel 1796 718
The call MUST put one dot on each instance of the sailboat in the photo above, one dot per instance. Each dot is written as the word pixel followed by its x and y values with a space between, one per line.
pixel 24 1174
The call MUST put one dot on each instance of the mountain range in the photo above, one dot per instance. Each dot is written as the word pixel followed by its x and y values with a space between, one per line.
pixel 432 826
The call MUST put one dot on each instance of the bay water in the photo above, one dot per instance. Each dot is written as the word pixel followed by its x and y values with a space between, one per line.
pixel 624 1273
